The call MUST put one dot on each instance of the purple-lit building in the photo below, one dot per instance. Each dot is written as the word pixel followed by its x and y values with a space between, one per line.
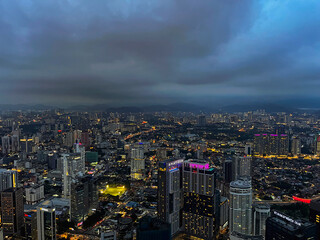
pixel 271 144
pixel 201 199
pixel 170 193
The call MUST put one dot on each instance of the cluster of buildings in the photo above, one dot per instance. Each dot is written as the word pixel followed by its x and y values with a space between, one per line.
pixel 189 199
pixel 157 175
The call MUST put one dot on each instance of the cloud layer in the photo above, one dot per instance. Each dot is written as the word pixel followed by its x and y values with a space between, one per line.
pixel 158 51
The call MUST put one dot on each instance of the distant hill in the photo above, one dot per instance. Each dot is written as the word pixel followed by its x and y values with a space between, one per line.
pixel 271 108
pixel 174 107
pixel 24 107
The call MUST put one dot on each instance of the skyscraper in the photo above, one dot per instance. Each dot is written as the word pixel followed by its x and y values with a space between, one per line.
pixel 295 146
pixel 78 203
pixel 227 171
pixel 170 193
pixel 6 145
pixel 241 206
pixel 8 179
pixel 137 163
pixel 15 147
pixel 260 215
pixel 83 198
pixel 26 145
pixel 12 211
pixel 317 145
pixel 46 221
pixel 241 166
pixel 271 144
pixel 201 213
pixel 283 144
pixel 73 164
pixel 85 139
pixel 68 139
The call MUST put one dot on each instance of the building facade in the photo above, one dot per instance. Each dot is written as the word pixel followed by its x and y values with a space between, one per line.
pixel 12 210
pixel 46 221
pixel 201 213
pixel 240 207
pixel 260 215
pixel 170 193
pixel 281 226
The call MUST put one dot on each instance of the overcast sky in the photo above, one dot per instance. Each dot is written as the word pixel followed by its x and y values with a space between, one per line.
pixel 126 52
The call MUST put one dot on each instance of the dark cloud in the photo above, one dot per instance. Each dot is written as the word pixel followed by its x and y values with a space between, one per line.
pixel 140 52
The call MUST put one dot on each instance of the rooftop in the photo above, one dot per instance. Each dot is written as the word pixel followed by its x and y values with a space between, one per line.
pixel 240 184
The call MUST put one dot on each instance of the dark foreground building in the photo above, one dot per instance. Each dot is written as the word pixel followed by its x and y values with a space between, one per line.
pixel 153 228
pixel 315 214
pixel 283 227
pixel 12 211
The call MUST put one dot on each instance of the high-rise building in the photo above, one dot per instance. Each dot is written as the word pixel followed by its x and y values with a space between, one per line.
pixel 68 140
pixel 34 194
pixel 271 144
pixel 85 139
pixel 315 213
pixel 241 166
pixel 73 164
pixel 84 198
pixel 224 212
pixel 26 145
pixel 15 147
pixel 295 146
pixel 46 221
pixel 137 163
pixel 202 121
pixel 6 145
pixel 79 205
pixel 80 149
pixel 153 228
pixel 10 144
pixel 8 179
pixel 317 145
pixel 228 171
pixel 30 222
pixel 260 144
pixel 283 144
pixel 201 213
pixel 282 226
pixel 170 193
pixel 12 211
pixel 137 153
pixel 241 206
pixel 260 215
pixel 52 161
pixel 248 149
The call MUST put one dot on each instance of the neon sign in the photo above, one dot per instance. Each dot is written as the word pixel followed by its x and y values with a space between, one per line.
pixel 173 169
pixel 175 162
pixel 304 200
pixel 200 166
pixel 287 218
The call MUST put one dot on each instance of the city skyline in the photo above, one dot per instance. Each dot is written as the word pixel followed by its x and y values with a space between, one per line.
pixel 152 52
